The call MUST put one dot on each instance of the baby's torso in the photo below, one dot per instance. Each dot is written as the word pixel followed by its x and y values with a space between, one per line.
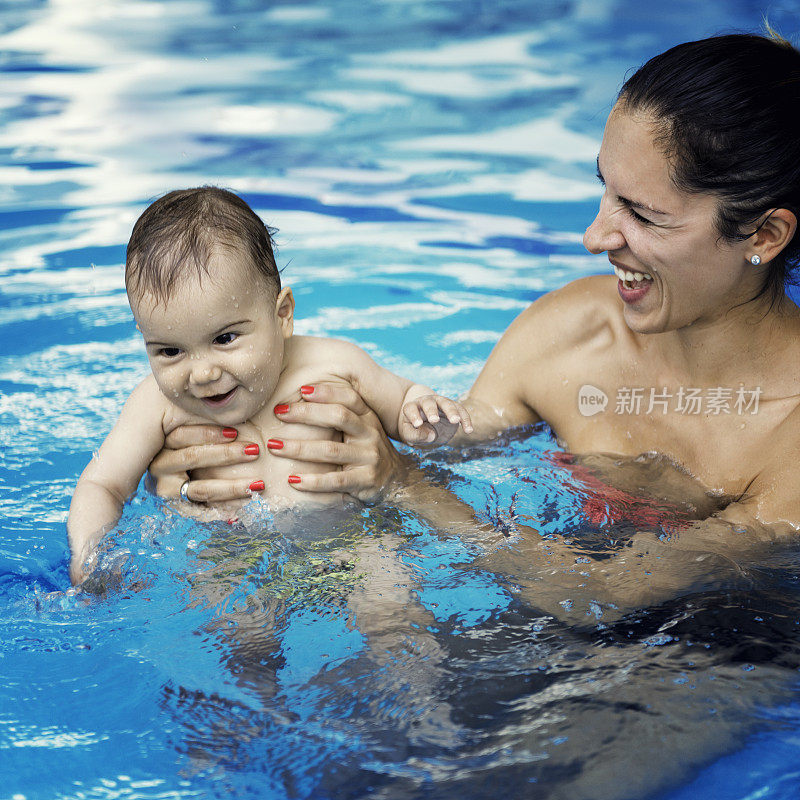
pixel 273 470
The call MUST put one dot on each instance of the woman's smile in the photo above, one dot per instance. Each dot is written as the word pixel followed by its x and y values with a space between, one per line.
pixel 631 285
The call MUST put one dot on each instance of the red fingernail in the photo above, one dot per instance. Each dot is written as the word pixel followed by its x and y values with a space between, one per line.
pixel 294 479
pixel 251 450
pixel 306 390
pixel 281 409
pixel 230 433
pixel 256 486
pixel 233 520
pixel 275 444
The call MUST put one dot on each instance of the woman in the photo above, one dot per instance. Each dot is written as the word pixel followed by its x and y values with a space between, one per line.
pixel 692 343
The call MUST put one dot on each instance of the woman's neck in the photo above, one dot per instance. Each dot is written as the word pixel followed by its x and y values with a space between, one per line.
pixel 748 341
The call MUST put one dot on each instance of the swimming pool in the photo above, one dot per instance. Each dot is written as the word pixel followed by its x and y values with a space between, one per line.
pixel 430 167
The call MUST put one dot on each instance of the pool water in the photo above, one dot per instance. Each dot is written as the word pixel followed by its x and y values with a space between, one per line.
pixel 430 168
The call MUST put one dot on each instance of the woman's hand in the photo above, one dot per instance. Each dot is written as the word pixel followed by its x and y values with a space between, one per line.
pixel 195 446
pixel 370 466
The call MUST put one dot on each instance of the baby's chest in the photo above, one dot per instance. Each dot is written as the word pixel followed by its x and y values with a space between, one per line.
pixel 274 470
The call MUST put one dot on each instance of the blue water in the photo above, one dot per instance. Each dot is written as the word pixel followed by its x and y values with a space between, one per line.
pixel 430 168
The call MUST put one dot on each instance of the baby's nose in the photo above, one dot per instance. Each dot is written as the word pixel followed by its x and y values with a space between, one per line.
pixel 204 372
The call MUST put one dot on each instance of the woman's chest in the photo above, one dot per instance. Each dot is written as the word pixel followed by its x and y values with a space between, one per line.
pixel 720 434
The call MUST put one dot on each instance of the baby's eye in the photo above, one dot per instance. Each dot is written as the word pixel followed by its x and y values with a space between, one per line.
pixel 169 352
pixel 226 338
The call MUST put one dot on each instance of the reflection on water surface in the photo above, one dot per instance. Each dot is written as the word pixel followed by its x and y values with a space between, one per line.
pixel 430 167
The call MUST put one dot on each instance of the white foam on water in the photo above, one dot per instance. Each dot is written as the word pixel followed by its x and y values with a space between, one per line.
pixel 361 100
pixel 455 83
pixel 548 138
pixel 298 13
pixel 489 50
pixel 275 120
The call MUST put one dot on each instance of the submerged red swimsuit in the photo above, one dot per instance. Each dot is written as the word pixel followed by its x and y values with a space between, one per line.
pixel 604 505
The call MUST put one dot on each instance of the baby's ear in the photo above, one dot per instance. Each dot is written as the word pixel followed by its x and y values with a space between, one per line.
pixel 284 311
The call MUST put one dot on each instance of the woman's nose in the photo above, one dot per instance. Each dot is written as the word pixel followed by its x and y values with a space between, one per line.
pixel 604 233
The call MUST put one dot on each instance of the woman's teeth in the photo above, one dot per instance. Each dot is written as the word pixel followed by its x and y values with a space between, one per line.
pixel 629 278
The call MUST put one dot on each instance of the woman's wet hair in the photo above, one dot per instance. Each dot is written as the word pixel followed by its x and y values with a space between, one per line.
pixel 181 232
pixel 727 116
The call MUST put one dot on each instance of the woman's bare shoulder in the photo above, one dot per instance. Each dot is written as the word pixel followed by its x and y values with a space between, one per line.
pixel 555 336
pixel 585 312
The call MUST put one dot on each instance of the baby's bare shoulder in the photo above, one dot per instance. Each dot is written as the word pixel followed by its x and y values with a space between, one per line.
pixel 151 407
pixel 147 398
pixel 326 359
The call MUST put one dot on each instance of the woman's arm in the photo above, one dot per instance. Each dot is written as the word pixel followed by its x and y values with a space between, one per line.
pixel 563 579
pixel 370 465
pixel 552 573
pixel 556 336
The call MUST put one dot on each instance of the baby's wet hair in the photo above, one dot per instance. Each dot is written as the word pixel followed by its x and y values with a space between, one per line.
pixel 180 232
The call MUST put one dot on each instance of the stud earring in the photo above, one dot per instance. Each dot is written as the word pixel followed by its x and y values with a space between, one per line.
pixel 755 260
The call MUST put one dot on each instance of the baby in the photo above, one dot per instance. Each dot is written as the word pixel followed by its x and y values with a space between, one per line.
pixel 204 289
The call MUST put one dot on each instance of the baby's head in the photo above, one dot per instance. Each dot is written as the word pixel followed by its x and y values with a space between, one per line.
pixel 178 235
pixel 206 294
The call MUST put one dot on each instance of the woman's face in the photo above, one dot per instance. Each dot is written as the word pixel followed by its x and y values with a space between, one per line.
pixel 687 275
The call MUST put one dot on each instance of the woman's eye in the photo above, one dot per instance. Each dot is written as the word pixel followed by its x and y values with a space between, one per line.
pixel 638 217
pixel 226 338
pixel 169 352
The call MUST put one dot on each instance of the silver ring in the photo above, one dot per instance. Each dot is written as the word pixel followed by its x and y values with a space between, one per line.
pixel 184 492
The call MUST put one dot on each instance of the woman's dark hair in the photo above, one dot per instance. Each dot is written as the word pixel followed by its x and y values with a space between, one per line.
pixel 727 116
pixel 181 231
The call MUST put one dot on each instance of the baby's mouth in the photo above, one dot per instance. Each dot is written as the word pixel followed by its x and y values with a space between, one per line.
pixel 217 400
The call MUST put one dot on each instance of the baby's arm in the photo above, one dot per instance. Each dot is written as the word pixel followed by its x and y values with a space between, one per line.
pixel 409 412
pixel 114 473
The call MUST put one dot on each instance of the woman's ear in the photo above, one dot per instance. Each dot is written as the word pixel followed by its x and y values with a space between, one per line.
pixel 284 311
pixel 774 234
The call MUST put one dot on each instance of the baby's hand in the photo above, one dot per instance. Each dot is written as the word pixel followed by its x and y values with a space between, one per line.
pixel 432 419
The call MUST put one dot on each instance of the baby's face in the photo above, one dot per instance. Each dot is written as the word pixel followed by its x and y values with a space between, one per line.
pixel 216 347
